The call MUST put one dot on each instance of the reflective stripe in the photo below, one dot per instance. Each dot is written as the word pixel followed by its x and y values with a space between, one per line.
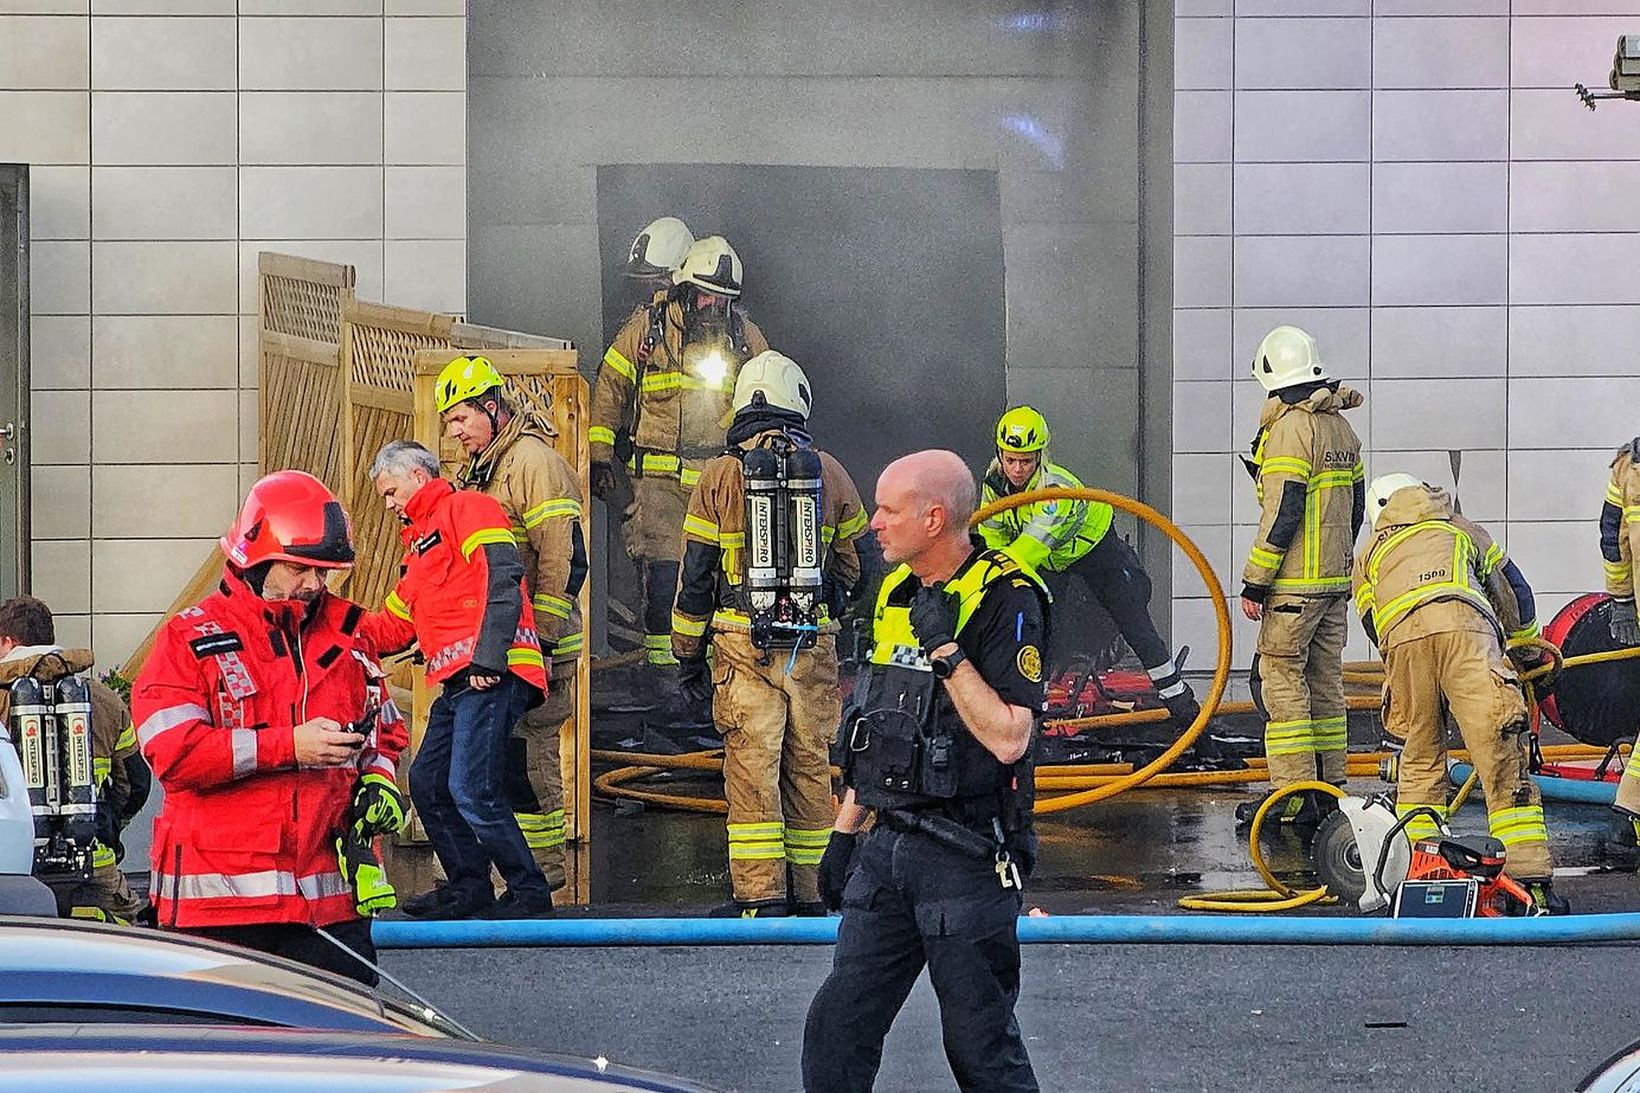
pixel 556 606
pixel 757 842
pixel 1311 582
pixel 669 466
pixel 701 528
pixel 617 360
pixel 854 525
pixel 102 856
pixel 1526 632
pixel 542 831
pixel 1459 586
pixel 396 606
pixel 381 764
pixel 483 536
pixel 127 740
pixel 688 627
pixel 1286 464
pixel 517 656
pixel 546 510
pixel 686 381
pixel 244 752
pixel 1614 494
pixel 1332 733
pixel 1265 559
pixel 1289 738
pixel 1515 826
pixel 601 434
pixel 269 882
pixel 806 846
pixel 170 717
pixel 1421 826
pixel 568 645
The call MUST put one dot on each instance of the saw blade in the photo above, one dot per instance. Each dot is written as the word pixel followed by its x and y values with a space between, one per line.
pixel 1338 859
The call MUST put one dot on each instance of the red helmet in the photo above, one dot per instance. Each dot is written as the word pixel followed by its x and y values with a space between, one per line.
pixel 290 516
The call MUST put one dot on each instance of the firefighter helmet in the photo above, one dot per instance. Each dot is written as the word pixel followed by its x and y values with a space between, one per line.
pixel 780 382
pixel 1288 356
pixel 1383 488
pixel 659 248
pixel 711 264
pixel 290 516
pixel 1022 429
pixel 465 378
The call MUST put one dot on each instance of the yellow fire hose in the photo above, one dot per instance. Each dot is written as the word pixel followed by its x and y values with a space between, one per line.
pixel 1276 895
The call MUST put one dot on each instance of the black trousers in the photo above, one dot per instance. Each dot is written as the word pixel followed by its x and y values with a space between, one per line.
pixel 912 903
pixel 1116 577
pixel 295 941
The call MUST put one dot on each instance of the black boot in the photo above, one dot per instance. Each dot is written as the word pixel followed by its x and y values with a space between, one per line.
pixel 1621 846
pixel 775 908
pixel 1545 899
pixel 1305 809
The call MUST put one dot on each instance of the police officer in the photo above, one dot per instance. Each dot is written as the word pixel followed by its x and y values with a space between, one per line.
pixel 1074 538
pixel 939 748
pixel 664 387
pixel 775 699
pixel 1306 468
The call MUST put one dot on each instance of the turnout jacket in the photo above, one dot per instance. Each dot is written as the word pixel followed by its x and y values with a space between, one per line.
pixel 462 594
pixel 1306 468
pixel 1047 535
pixel 524 472
pixel 1620 522
pixel 714 535
pixel 649 389
pixel 245 836
pixel 1427 570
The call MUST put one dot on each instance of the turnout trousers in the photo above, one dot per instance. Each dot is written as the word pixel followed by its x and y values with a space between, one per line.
pixel 1301 665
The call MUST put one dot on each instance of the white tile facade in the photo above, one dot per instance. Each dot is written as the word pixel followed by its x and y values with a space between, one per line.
pixel 169 142
pixel 1413 182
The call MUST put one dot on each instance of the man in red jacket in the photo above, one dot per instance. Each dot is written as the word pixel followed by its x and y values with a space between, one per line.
pixel 462 598
pixel 254 711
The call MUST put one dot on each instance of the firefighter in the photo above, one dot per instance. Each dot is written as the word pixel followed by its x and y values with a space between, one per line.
pixel 28 647
pixel 663 390
pixel 1074 538
pixel 774 687
pixel 512 459
pixel 1306 468
pixel 1439 598
pixel 938 744
pixel 248 709
pixel 462 598
pixel 1620 550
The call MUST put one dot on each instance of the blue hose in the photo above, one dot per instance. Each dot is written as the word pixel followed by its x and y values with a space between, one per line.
pixel 1569 790
pixel 1052 930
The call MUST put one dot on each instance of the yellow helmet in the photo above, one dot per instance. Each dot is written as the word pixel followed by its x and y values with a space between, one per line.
pixel 465 378
pixel 1022 429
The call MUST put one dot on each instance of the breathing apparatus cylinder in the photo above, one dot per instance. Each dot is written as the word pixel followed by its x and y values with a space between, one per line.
pixel 77 787
pixel 765 516
pixel 34 730
pixel 784 552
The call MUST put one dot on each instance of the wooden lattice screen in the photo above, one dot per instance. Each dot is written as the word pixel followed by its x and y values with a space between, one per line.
pixel 300 379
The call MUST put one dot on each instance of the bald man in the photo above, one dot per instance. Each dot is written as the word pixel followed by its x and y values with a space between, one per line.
pixel 938 746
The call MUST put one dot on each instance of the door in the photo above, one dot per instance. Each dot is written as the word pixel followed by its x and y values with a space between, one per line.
pixel 14 380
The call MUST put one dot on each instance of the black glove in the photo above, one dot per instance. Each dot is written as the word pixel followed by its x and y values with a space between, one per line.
pixel 835 867
pixel 934 618
pixel 602 479
pixel 1625 624
pixel 108 830
pixel 695 680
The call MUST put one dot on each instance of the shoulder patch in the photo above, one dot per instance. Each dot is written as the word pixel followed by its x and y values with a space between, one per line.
pixel 1029 662
pixel 210 645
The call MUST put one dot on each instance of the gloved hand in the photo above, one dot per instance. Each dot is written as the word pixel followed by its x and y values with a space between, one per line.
pixel 934 618
pixel 378 806
pixel 602 479
pixel 695 680
pixel 1625 624
pixel 835 867
pixel 108 830
pixel 357 860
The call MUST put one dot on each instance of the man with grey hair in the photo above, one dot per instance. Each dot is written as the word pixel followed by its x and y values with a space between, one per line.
pixel 938 745
pixel 462 598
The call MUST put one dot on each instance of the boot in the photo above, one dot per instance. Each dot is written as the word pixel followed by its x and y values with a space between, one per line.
pixel 1182 705
pixel 1621 846
pixel 510 906
pixel 1305 809
pixel 760 909
pixel 1544 898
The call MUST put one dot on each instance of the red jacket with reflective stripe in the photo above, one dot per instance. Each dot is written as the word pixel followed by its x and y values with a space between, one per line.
pixel 462 593
pixel 244 836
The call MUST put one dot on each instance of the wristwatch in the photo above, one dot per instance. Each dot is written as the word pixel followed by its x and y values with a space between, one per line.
pixel 946 665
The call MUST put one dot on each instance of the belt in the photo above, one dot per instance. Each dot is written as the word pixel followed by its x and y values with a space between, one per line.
pixel 943 830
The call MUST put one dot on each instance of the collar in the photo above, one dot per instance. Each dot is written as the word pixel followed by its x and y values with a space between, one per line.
pixel 249 610
pixel 24 651
pixel 427 500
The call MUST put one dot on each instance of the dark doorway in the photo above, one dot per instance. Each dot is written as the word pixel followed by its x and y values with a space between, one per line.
pixel 14 380
pixel 885 284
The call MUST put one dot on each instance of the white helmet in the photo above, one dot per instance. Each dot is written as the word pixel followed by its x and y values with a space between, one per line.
pixel 711 264
pixel 778 380
pixel 1383 488
pixel 659 248
pixel 1288 356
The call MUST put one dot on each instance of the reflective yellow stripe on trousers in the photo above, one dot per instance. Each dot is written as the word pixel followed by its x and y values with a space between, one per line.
pixel 757 842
